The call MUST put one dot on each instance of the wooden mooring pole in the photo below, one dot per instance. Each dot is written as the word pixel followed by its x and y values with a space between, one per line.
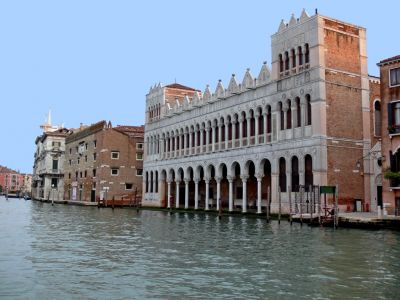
pixel 279 208
pixel 290 207
pixel 268 203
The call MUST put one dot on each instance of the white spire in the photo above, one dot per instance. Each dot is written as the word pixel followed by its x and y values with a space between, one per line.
pixel 49 118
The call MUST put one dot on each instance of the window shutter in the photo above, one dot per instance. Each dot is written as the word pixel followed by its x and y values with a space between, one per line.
pixel 390 114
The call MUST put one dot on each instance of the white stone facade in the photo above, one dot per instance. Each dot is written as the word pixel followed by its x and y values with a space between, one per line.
pixel 243 144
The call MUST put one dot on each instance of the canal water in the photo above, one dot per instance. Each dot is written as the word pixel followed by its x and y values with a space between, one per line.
pixel 71 252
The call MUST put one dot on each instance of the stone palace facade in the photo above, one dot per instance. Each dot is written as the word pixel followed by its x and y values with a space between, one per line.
pixel 304 122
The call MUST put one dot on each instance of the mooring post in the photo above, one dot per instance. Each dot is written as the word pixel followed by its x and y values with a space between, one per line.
pixel 279 207
pixel 336 207
pixel 301 206
pixel 312 205
pixel 113 200
pixel 220 208
pixel 319 206
pixel 268 202
pixel 290 206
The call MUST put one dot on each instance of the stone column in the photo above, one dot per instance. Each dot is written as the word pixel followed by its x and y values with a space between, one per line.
pixel 265 120
pixel 187 193
pixel 248 130
pixel 230 179
pixel 169 194
pixel 241 132
pixel 207 181
pixel 196 133
pixel 226 133
pixel 183 144
pixel 244 198
pixel 213 138
pixel 207 137
pixel 274 192
pixel 256 119
pixel 303 115
pixel 201 140
pixel 259 194
pixel 177 194
pixel 176 146
pixel 219 136
pixel 196 193
pixel 233 133
pixel 190 141
pixel 218 180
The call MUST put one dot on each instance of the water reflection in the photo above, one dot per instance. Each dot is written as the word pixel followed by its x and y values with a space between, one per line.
pixel 60 252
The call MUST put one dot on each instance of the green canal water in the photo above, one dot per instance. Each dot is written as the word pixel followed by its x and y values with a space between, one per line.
pixel 71 252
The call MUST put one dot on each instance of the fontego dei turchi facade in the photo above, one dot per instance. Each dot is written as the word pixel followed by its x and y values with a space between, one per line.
pixel 306 121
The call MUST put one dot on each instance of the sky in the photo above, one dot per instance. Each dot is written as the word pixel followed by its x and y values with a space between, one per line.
pixel 96 60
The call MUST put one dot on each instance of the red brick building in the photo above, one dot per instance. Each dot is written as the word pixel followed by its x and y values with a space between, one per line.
pixel 390 107
pixel 102 161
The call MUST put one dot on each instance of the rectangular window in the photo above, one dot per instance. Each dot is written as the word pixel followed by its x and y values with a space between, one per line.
pixel 85 173
pixel 114 172
pixel 70 162
pixel 114 154
pixel 395 77
pixel 85 158
pixel 94 172
pixel 95 144
pixel 69 175
pixel 94 156
pixel 80 174
pixel 139 172
pixel 139 156
pixel 70 150
pixel 86 146
pixel 79 160
pixel 139 146
pixel 54 182
pixel 128 186
pixel 55 164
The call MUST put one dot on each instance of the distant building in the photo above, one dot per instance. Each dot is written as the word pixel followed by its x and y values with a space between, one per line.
pixel 305 122
pixel 11 181
pixel 103 162
pixel 47 177
pixel 390 115
pixel 27 184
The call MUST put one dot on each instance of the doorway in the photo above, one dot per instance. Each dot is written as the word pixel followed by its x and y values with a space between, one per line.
pixel 379 196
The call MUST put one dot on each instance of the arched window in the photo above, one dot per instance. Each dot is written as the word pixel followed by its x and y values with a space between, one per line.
pixel 300 55
pixel 298 111
pixel 377 115
pixel 151 181
pixel 269 119
pixel 308 172
pixel 280 63
pixel 293 55
pixel 147 182
pixel 289 116
pixel 286 61
pixel 282 114
pixel 307 54
pixel 295 174
pixel 156 182
pixel 282 174
pixel 308 103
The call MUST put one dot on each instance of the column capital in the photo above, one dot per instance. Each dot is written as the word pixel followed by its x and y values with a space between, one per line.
pixel 196 180
pixel 218 179
pixel 187 180
pixel 233 122
pixel 259 177
pixel 244 177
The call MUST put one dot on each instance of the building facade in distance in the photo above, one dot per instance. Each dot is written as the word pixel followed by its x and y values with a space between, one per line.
pixel 47 177
pixel 103 162
pixel 11 181
pixel 390 106
pixel 306 122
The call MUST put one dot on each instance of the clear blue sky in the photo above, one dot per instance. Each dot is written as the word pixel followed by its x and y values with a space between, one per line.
pixel 94 60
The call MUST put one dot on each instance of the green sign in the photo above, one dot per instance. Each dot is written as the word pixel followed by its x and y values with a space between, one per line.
pixel 327 189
